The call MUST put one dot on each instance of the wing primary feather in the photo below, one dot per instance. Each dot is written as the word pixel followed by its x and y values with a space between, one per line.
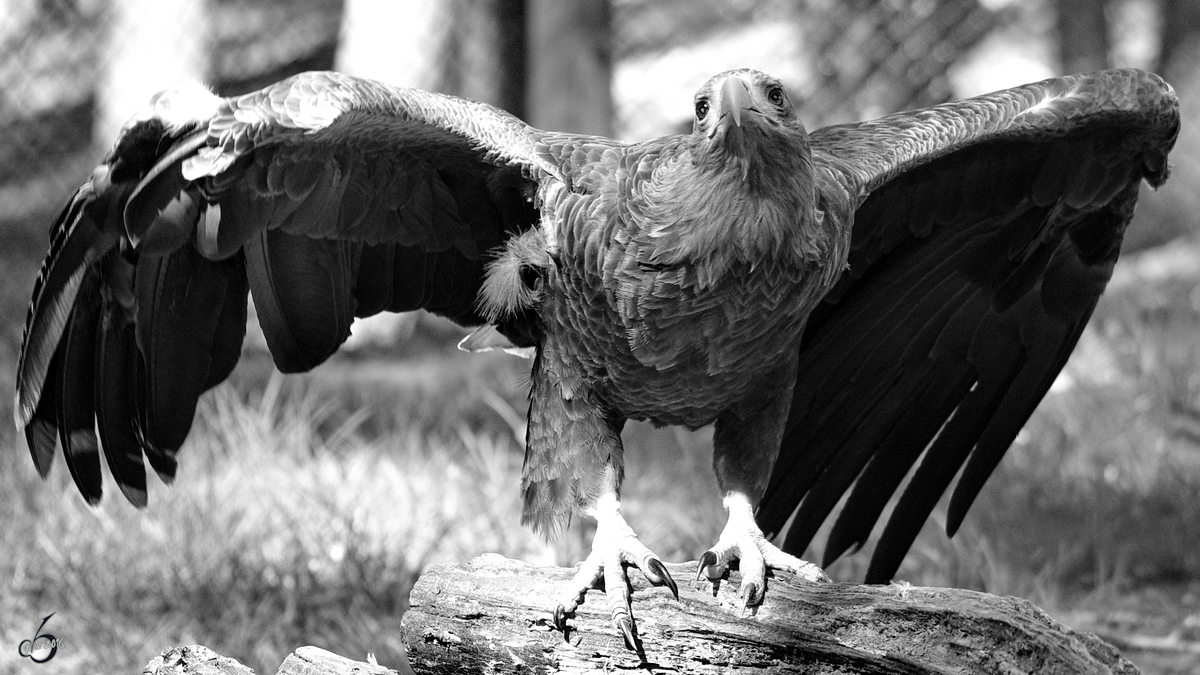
pixel 182 299
pixel 161 458
pixel 943 459
pixel 854 383
pixel 75 392
pixel 77 241
pixel 880 435
pixel 1024 396
pixel 883 474
pixel 116 414
pixel 41 431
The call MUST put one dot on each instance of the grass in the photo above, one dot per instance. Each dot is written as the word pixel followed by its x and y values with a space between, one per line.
pixel 305 507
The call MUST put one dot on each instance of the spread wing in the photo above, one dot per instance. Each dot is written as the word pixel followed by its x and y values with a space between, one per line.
pixel 324 196
pixel 984 232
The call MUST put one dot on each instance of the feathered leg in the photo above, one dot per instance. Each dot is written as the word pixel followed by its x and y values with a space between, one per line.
pixel 745 443
pixel 573 462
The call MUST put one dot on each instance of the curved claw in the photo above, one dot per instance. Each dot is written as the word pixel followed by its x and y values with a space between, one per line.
pixel 626 625
pixel 659 576
pixel 560 618
pixel 707 560
pixel 750 595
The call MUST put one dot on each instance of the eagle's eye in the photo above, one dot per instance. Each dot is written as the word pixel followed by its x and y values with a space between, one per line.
pixel 701 109
pixel 775 96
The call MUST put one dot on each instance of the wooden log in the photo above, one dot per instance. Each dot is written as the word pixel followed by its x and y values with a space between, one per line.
pixel 494 615
pixel 200 660
pixel 193 660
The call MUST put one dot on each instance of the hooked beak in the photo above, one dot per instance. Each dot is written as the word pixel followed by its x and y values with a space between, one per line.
pixel 735 97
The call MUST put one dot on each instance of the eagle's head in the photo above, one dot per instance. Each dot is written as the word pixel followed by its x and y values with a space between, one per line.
pixel 736 102
pixel 744 118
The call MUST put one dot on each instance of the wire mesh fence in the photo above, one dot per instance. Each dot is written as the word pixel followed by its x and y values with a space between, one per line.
pixel 71 71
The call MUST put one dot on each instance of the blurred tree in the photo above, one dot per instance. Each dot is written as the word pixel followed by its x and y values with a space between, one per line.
pixel 570 66
pixel 254 44
pixel 1170 213
pixel 396 41
pixel 485 53
pixel 1083 43
pixel 472 48
pixel 1180 35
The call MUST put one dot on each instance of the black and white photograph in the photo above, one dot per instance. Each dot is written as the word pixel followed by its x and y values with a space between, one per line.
pixel 594 336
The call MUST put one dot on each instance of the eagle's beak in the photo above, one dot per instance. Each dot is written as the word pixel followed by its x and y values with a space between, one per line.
pixel 735 97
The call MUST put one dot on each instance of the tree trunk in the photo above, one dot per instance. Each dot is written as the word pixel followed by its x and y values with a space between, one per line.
pixel 1083 35
pixel 1180 36
pixel 570 66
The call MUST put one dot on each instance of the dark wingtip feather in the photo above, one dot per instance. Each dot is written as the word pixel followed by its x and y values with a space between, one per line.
pixel 116 350
pixel 41 429
pixel 41 435
pixel 75 393
pixel 75 242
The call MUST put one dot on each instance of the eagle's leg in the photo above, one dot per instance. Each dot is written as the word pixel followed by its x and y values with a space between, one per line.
pixel 745 444
pixel 574 463
pixel 614 546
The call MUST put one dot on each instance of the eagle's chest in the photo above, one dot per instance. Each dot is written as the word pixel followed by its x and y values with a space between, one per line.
pixel 674 347
pixel 677 307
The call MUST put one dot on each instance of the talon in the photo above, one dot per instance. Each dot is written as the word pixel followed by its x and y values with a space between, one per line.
pixel 707 560
pixel 628 630
pixel 615 548
pixel 661 577
pixel 749 594
pixel 560 618
pixel 742 543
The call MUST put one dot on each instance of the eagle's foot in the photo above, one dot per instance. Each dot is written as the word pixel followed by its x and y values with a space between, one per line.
pixel 743 541
pixel 614 547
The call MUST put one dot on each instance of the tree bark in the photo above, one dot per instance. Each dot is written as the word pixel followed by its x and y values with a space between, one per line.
pixel 493 615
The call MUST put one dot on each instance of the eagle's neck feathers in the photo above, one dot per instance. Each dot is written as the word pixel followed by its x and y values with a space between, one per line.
pixel 748 200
